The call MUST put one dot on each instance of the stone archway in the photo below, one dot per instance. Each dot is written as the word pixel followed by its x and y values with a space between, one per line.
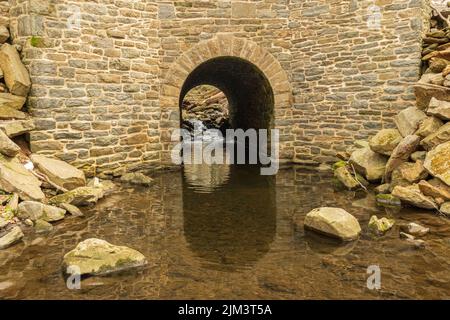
pixel 221 47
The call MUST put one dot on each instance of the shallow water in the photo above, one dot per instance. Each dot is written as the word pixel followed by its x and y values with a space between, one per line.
pixel 228 233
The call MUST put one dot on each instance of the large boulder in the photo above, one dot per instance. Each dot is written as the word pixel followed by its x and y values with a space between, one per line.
pixel 82 196
pixel 439 136
pixel 435 188
pixel 334 222
pixel 38 211
pixel 439 108
pixel 401 154
pixel 385 141
pixel 16 127
pixel 408 120
pixel 12 236
pixel 12 101
pixel 16 75
pixel 412 195
pixel 98 257
pixel 437 162
pixel 7 146
pixel 59 172
pixel 15 178
pixel 368 163
pixel 428 126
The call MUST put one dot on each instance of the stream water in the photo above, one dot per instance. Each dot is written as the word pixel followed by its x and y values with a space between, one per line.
pixel 226 232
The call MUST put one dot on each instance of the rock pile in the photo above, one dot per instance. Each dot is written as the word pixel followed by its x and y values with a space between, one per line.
pixel 411 163
pixel 208 105
pixel 34 190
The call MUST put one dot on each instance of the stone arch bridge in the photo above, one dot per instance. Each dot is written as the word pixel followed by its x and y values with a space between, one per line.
pixel 108 76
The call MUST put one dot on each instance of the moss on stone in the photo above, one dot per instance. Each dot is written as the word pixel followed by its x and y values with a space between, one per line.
pixel 339 164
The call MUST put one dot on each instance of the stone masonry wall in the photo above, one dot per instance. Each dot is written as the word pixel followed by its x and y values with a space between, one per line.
pixel 104 93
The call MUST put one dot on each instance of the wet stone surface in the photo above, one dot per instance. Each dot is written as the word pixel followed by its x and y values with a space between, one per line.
pixel 229 234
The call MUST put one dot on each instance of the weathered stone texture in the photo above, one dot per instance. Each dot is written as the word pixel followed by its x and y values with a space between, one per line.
pixel 106 86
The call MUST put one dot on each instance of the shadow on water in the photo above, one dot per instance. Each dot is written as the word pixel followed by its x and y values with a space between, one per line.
pixel 229 214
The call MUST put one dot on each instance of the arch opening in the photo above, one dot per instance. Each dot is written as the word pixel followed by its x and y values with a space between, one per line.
pixel 248 91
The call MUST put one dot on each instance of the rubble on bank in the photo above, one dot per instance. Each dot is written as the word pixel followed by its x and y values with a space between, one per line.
pixel 35 190
pixel 411 163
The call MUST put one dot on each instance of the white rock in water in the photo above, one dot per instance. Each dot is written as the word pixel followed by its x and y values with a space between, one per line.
pixel 334 222
pixel 97 257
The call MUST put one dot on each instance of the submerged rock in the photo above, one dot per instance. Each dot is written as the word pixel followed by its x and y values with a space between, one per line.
pixel 412 195
pixel 97 257
pixel 74 211
pixel 385 141
pixel 82 196
pixel 137 178
pixel 414 229
pixel 388 200
pixel 380 226
pixel 42 226
pixel 107 186
pixel 334 222
pixel 59 172
pixel 368 163
pixel 38 211
pixel 11 237
pixel 15 178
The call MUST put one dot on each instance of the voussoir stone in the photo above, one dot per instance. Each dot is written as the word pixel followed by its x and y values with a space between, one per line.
pixel 385 141
pixel 16 75
pixel 34 211
pixel 59 172
pixel 408 120
pixel 437 162
pixel 368 163
pixel 15 178
pixel 97 257
pixel 334 222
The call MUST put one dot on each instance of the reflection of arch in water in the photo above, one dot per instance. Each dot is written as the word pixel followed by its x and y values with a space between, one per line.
pixel 235 225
